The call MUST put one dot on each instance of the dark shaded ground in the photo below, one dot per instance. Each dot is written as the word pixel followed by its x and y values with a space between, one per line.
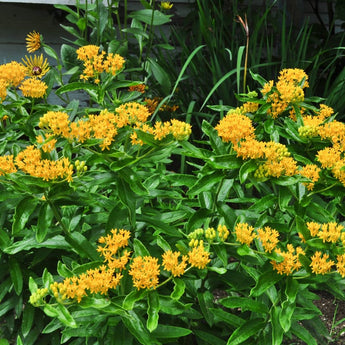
pixel 333 316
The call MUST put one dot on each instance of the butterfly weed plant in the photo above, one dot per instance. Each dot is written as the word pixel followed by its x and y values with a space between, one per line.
pixel 102 242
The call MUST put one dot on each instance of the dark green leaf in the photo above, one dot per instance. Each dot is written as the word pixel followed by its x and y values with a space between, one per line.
pixel 16 275
pixel 149 17
pixel 136 327
pixel 22 213
pixel 266 280
pixel 245 303
pixel 248 329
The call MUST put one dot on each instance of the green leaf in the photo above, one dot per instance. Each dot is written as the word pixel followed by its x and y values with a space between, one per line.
pixel 245 331
pixel 171 306
pixel 45 217
pixel 152 310
pixel 285 316
pixel 209 338
pixel 300 332
pixel 94 302
pixel 132 297
pixel 68 56
pixel 277 330
pixel 61 313
pixel 291 289
pixel 134 324
pixel 4 239
pixel 264 203
pixel 82 245
pixel 128 198
pixel 28 319
pixel 160 75
pixel 179 289
pixel 170 332
pixel 149 16
pixel 56 242
pixel 266 280
pixel 246 169
pixel 76 86
pixel 205 302
pixel 245 303
pixel 206 183
pixel 139 248
pixel 232 320
pixel 16 275
pixel 22 213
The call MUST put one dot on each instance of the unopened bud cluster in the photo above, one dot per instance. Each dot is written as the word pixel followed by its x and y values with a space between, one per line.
pixel 80 166
pixel 210 235
pixel 36 298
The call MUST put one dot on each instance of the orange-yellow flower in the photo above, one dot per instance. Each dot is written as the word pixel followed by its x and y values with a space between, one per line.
pixel 33 41
pixel 171 263
pixel 144 271
pixel 269 238
pixel 36 66
pixel 199 257
pixel 244 233
pixel 290 261
pixel 33 87
pixel 320 264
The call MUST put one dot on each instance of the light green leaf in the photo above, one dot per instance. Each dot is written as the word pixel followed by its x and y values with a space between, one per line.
pixel 170 332
pixel 179 289
pixel 152 310
pixel 132 297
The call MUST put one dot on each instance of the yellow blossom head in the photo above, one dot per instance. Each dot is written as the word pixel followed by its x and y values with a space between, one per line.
pixel 36 66
pixel 33 41
pixel 33 87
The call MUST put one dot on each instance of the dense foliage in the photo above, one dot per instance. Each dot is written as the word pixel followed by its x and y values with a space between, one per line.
pixel 126 221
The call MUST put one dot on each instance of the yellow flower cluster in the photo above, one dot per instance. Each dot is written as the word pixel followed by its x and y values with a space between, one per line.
pixel 111 246
pixel 30 161
pixel 96 62
pixel 33 87
pixel 320 263
pixel 98 280
pixel 144 270
pixel 287 91
pixel 328 232
pixel 7 165
pixel 172 264
pixel 312 172
pixel 238 129
pixel 244 233
pixel 290 262
pixel 269 238
pixel 235 126
pixel 106 124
